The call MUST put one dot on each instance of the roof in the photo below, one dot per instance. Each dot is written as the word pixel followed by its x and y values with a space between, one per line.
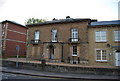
pixel 67 20
pixel 13 22
pixel 105 23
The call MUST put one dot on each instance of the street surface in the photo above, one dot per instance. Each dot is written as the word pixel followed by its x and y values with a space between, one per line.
pixel 20 77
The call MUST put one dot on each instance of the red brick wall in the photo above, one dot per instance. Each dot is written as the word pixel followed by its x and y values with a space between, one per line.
pixel 17 28
pixel 14 38
pixel 10 49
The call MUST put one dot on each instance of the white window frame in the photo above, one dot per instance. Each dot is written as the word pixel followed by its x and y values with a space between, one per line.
pixel 74 34
pixel 3 33
pixel 73 54
pixel 118 36
pixel 101 55
pixel 37 35
pixel 100 36
pixel 54 35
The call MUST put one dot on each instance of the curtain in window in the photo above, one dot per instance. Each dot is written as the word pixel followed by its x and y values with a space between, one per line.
pixel 54 35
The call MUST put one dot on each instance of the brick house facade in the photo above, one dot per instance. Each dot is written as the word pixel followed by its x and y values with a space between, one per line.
pixel 13 34
pixel 75 41
pixel 64 40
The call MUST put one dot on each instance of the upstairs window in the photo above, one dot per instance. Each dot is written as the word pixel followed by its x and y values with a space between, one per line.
pixel 37 35
pixel 100 36
pixel 117 35
pixel 74 34
pixel 54 35
pixel 3 33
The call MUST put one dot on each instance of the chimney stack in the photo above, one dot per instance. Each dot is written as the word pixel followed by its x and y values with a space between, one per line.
pixel 67 17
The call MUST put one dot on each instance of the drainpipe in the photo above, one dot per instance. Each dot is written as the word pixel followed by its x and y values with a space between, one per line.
pixel 62 60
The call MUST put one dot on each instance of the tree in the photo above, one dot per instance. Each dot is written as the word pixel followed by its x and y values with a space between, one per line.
pixel 34 21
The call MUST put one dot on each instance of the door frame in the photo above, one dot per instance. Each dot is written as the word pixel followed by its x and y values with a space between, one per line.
pixel 116 58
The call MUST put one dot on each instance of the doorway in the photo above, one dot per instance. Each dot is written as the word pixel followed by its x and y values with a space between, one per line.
pixel 51 52
pixel 117 58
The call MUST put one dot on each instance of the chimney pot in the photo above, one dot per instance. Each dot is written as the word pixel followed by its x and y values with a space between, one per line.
pixel 67 17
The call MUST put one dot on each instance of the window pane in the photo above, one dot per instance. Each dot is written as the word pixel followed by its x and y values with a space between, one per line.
pixel 37 34
pixel 97 33
pixel 100 35
pixel 74 50
pixel 117 35
pixel 98 54
pixel 74 33
pixel 103 35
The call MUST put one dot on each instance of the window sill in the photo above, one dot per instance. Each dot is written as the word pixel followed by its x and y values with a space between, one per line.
pixel 100 41
pixel 54 41
pixel 117 41
pixel 101 61
pixel 74 55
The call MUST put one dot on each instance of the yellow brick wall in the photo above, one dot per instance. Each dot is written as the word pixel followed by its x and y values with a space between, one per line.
pixel 63 35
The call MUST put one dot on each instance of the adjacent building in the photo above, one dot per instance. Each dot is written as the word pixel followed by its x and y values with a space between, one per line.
pixel 104 43
pixel 13 39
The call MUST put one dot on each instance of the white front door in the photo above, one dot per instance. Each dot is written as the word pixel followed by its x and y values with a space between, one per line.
pixel 117 59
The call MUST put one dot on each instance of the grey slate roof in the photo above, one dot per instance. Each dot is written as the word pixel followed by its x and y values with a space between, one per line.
pixel 68 20
pixel 115 22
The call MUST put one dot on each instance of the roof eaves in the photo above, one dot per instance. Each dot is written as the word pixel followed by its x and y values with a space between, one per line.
pixel 58 21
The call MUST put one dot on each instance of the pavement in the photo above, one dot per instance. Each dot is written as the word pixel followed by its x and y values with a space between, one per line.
pixel 57 75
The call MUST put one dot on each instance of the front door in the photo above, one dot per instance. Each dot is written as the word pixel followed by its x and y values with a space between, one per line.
pixel 51 50
pixel 117 59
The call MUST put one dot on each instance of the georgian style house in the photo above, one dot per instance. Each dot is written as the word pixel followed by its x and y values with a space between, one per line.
pixel 64 40
pixel 104 43
pixel 75 41
pixel 13 36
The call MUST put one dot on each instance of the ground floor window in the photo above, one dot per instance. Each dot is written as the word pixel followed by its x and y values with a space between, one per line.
pixel 101 55
pixel 74 50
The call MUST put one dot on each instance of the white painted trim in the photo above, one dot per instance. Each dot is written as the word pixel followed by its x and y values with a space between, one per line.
pixel 15 40
pixel 16 31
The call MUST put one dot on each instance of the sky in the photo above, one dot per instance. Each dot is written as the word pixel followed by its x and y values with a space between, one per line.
pixel 21 10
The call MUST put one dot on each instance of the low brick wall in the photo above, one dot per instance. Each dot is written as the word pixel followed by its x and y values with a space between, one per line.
pixel 59 68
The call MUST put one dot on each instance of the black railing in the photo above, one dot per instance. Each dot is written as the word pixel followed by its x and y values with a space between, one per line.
pixel 35 42
pixel 74 40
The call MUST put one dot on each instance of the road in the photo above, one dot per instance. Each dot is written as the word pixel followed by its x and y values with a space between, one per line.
pixel 10 76
pixel 20 77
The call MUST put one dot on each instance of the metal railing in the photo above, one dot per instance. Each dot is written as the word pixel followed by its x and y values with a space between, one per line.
pixel 74 40
pixel 35 42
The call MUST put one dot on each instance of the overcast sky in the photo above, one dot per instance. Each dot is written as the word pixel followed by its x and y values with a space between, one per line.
pixel 21 10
